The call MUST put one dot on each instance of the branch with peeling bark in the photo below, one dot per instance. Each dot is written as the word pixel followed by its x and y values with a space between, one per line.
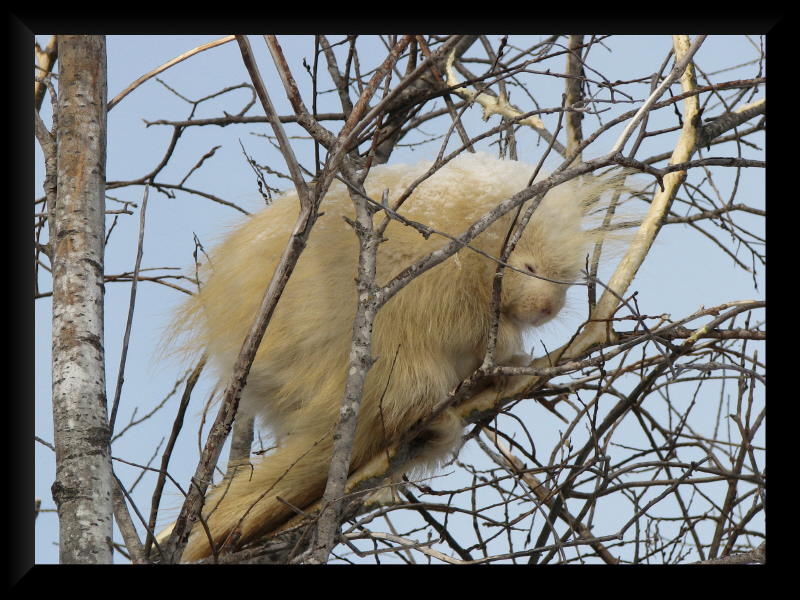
pixel 491 106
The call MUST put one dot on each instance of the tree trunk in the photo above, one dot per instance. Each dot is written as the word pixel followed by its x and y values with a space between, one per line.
pixel 82 489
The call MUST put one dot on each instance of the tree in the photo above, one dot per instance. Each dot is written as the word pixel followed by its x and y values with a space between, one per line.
pixel 75 182
pixel 626 453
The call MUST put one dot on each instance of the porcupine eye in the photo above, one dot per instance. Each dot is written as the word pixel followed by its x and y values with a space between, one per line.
pixel 531 268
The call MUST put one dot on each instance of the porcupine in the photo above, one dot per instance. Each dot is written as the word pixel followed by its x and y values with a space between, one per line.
pixel 437 326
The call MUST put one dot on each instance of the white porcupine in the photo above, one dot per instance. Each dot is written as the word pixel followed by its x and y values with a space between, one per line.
pixel 439 323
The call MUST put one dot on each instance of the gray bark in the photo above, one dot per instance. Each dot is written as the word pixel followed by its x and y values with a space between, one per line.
pixel 83 486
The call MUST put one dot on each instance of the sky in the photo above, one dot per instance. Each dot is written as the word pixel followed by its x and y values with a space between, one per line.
pixel 672 280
